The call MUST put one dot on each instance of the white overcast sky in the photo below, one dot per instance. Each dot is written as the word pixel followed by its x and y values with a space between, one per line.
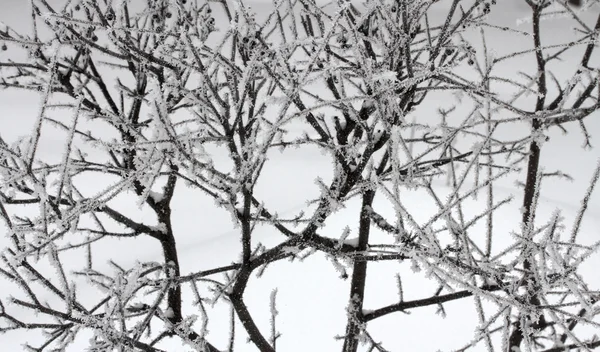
pixel 18 111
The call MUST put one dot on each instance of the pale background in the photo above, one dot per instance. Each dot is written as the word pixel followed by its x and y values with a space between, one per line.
pixel 208 239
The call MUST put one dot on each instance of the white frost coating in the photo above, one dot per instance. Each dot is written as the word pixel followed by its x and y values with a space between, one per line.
pixel 339 267
pixel 344 236
pixel 137 306
pixel 374 179
pixel 290 250
pixel 353 166
pixel 47 16
pixel 58 269
pixel 452 225
pixel 377 134
pixel 168 313
pixel 368 104
pixel 342 121
pixel 157 197
pixel 161 227
pixel 415 266
pixel 385 76
pixel 352 242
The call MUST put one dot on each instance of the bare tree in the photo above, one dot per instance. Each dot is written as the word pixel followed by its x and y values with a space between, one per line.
pixel 146 92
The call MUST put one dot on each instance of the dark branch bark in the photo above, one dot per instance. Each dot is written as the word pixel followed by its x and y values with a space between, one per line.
pixel 531 184
pixel 359 278
pixel 402 306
